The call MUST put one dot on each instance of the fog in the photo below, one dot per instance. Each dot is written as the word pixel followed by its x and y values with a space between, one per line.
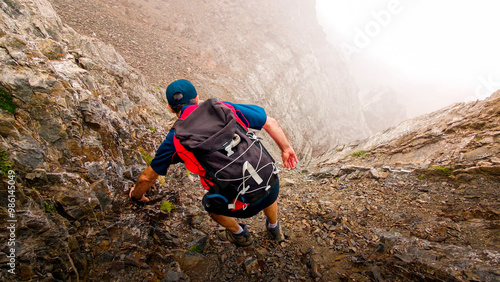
pixel 430 53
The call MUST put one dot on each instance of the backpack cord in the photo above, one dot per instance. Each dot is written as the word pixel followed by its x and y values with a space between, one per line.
pixel 260 157
pixel 245 189
pixel 242 188
pixel 243 178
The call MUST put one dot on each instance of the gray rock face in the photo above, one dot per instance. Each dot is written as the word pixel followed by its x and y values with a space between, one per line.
pixel 73 115
pixel 75 96
pixel 270 53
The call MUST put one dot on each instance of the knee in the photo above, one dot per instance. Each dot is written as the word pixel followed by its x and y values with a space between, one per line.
pixel 217 217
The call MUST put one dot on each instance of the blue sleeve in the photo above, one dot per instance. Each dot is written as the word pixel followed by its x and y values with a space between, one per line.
pixel 164 155
pixel 254 116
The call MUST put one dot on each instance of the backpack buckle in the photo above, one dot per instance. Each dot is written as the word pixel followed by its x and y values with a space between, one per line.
pixel 234 142
pixel 252 135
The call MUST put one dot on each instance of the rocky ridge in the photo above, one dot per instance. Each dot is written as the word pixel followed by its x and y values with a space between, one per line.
pixel 463 136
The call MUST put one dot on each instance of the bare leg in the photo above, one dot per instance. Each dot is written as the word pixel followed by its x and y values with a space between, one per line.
pixel 227 222
pixel 271 212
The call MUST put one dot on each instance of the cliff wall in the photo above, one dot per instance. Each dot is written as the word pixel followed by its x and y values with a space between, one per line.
pixel 77 125
pixel 271 53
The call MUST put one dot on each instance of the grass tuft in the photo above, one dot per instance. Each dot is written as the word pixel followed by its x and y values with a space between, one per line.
pixel 145 155
pixel 443 169
pixel 358 153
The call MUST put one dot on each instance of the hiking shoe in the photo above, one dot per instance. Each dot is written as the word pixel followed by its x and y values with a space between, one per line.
pixel 275 232
pixel 244 239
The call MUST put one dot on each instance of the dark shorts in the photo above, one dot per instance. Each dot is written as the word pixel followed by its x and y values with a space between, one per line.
pixel 251 210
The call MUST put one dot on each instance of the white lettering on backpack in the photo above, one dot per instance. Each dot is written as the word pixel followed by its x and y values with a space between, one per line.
pixel 253 173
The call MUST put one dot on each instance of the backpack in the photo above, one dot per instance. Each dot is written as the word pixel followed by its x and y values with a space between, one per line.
pixel 231 161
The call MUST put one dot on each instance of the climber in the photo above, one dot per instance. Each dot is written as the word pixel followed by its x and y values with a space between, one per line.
pixel 181 95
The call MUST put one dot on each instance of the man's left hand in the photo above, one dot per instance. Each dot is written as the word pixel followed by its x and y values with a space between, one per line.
pixel 289 158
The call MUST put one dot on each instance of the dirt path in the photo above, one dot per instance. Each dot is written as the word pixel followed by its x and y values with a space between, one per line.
pixel 406 226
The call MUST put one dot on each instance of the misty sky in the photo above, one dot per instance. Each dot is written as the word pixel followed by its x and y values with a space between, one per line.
pixel 431 53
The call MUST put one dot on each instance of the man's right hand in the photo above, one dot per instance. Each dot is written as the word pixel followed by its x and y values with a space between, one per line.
pixel 136 198
pixel 145 181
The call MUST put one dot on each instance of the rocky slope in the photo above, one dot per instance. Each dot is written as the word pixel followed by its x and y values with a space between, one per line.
pixel 272 53
pixel 434 182
pixel 419 202
pixel 76 125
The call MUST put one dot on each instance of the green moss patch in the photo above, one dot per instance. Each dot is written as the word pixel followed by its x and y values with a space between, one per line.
pixel 6 101
pixel 49 207
pixel 442 169
pixel 5 164
pixel 167 206
pixel 195 248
